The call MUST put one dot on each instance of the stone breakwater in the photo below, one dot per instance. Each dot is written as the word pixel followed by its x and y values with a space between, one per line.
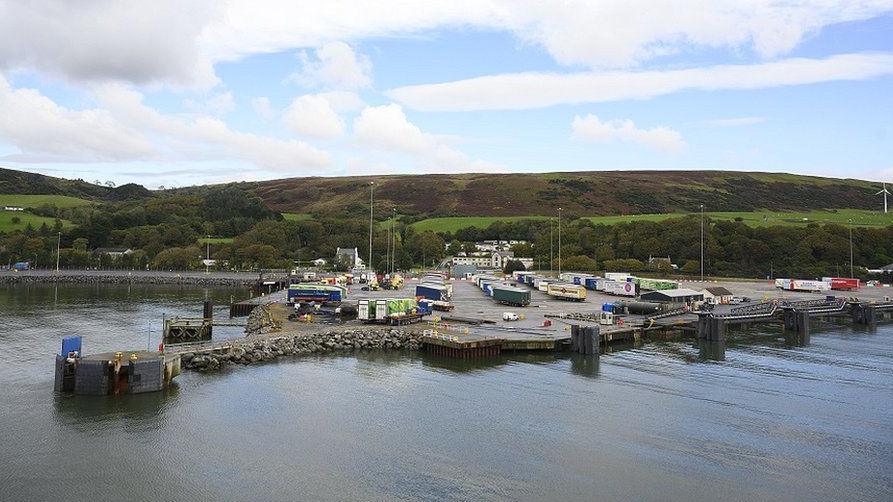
pixel 269 349
pixel 124 278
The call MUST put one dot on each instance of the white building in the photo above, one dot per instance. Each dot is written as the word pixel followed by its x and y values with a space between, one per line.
pixel 349 258
pixel 717 294
pixel 479 260
pixel 113 252
pixel 319 262
pixel 500 258
pixel 13 208
pixel 496 260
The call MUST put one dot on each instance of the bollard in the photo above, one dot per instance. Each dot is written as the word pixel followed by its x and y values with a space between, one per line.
pixel 803 323
pixel 590 340
pixel 208 314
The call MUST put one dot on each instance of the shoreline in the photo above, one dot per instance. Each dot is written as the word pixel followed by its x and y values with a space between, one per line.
pixel 129 277
pixel 271 348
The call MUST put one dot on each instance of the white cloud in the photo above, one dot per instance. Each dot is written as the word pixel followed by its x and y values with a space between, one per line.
pixel 596 34
pixel 178 42
pixel 734 121
pixel 592 128
pixel 335 66
pixel 534 90
pixel 44 131
pixel 313 115
pixel 343 101
pixel 217 104
pixel 96 40
pixel 206 138
pixel 387 128
pixel 263 109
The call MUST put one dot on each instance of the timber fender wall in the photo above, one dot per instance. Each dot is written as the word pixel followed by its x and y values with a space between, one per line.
pixel 270 349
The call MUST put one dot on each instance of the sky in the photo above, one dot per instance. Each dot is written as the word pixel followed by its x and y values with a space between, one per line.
pixel 176 93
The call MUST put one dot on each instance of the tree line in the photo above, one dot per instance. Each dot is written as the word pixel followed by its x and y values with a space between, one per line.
pixel 166 231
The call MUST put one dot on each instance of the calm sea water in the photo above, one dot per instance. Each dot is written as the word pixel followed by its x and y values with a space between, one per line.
pixel 660 422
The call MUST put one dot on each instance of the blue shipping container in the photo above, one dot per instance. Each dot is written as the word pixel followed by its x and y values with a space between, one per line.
pixel 306 295
pixel 607 307
pixel 70 344
pixel 590 283
pixel 432 292
pixel 22 265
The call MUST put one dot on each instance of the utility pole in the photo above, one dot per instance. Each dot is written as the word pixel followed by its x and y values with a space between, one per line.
pixel 851 249
pixel 371 189
pixel 208 259
pixel 394 236
pixel 702 242
pixel 387 253
pixel 559 241
pixel 551 251
pixel 59 249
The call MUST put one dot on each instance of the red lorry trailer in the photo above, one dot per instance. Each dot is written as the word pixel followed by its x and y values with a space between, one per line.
pixel 842 283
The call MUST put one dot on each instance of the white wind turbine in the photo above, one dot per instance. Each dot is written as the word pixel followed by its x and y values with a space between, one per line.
pixel 885 192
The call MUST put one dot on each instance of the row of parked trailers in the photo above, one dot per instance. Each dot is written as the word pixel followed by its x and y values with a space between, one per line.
pixel 565 288
pixel 495 288
pixel 826 284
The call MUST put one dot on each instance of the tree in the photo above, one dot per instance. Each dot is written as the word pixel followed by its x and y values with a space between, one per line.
pixel 79 244
pixel 513 265
pixel 691 267
pixel 578 262
pixel 16 220
pixel 177 258
pixel 454 248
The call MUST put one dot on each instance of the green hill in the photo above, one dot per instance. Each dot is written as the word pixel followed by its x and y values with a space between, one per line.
pixel 603 193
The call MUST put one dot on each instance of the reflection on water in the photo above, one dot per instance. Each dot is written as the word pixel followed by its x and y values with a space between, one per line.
pixel 767 417
pixel 711 351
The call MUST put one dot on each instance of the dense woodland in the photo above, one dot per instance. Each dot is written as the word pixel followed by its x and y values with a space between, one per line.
pixel 164 230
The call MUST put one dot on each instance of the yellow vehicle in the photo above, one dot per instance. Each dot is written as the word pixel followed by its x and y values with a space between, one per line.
pixel 396 281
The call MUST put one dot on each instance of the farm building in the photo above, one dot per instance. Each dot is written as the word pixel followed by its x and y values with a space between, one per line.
pixel 681 295
pixel 717 294
pixel 113 252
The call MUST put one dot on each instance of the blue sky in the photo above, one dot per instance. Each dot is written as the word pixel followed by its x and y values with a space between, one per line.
pixel 200 91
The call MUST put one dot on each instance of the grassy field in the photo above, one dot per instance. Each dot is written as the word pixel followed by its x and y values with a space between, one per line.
pixel 6 224
pixel 61 201
pixel 453 223
pixel 847 217
pixel 296 216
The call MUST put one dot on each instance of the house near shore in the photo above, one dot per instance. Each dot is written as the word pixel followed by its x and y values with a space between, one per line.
pixel 114 253
pixel 13 208
pixel 717 294
pixel 349 259
pixel 679 296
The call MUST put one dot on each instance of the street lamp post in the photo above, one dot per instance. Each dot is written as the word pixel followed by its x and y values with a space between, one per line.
pixel 58 249
pixel 371 189
pixel 387 253
pixel 702 242
pixel 559 241
pixel 394 237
